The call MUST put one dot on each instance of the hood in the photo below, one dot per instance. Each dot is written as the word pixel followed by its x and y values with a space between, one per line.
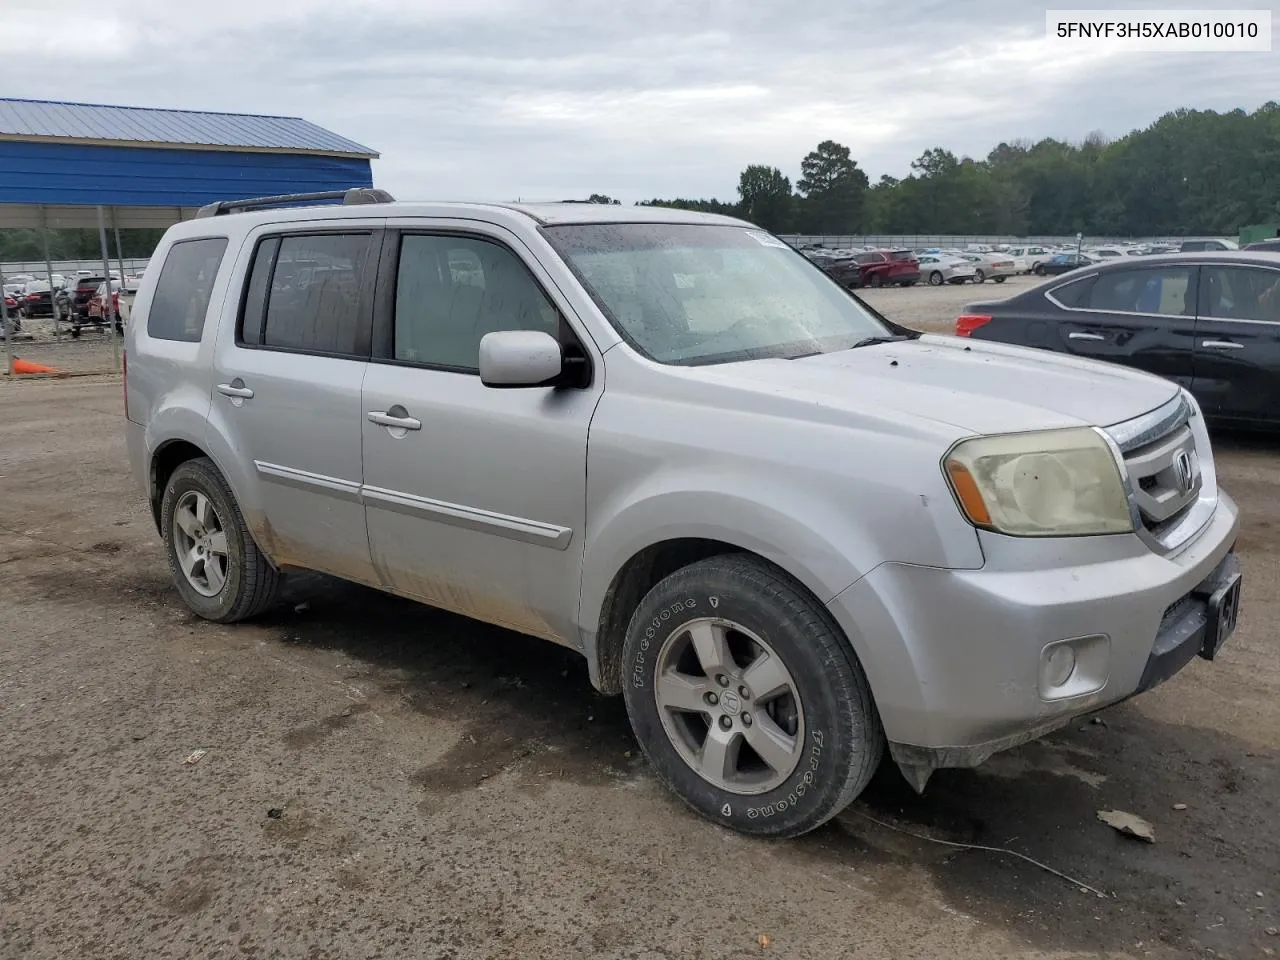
pixel 975 386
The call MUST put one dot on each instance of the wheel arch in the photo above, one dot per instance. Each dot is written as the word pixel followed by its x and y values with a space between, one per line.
pixel 635 551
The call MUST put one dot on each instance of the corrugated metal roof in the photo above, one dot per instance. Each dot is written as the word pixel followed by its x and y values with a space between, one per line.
pixel 150 126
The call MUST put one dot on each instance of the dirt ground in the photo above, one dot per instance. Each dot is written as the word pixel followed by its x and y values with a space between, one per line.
pixel 385 780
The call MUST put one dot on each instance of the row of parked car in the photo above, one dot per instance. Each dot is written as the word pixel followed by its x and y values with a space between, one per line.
pixel 79 299
pixel 906 268
pixel 874 267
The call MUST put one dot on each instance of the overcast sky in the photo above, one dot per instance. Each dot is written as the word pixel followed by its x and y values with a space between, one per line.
pixel 551 99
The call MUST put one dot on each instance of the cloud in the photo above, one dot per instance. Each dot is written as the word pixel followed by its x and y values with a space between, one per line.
pixel 549 99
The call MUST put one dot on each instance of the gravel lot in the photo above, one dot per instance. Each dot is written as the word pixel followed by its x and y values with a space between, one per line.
pixel 387 780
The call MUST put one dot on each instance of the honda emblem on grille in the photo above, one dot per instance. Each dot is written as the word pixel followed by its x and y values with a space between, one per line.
pixel 1183 472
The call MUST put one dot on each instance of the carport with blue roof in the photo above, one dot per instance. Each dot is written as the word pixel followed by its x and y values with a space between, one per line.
pixel 65 165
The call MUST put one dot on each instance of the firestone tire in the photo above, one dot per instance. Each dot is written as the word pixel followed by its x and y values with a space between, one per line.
pixel 835 733
pixel 249 582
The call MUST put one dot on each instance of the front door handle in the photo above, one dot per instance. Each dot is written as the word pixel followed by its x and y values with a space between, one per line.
pixel 235 388
pixel 1222 345
pixel 1085 336
pixel 397 416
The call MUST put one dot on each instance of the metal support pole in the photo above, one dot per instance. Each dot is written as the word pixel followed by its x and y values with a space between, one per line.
pixel 108 304
pixel 48 267
pixel 119 256
pixel 4 328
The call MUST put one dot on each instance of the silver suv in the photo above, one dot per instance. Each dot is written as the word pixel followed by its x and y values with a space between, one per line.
pixel 790 532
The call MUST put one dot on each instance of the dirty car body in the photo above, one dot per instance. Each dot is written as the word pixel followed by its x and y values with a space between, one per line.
pixel 791 533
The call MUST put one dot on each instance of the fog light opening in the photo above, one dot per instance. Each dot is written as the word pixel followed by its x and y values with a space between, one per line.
pixel 1059 665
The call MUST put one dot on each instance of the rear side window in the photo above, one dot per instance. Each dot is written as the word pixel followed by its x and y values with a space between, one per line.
pixel 181 298
pixel 1160 291
pixel 1075 293
pixel 304 293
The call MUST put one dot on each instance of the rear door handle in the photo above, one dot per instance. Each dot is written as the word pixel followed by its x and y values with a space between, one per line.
pixel 385 418
pixel 1221 345
pixel 235 388
pixel 1085 336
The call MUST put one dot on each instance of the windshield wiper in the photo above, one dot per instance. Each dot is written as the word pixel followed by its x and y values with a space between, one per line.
pixel 872 341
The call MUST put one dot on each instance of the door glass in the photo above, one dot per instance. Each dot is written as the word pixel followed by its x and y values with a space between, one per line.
pixel 451 291
pixel 314 301
pixel 1241 293
pixel 1163 291
pixel 1075 293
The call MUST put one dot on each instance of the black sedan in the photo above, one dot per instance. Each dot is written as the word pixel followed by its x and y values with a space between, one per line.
pixel 1063 263
pixel 1209 321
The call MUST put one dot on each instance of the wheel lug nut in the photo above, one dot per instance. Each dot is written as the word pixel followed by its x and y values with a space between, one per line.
pixel 725 723
pixel 712 699
pixel 744 693
pixel 746 719
pixel 722 680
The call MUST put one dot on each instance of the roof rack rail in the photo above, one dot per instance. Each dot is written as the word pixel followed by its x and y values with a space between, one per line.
pixel 354 195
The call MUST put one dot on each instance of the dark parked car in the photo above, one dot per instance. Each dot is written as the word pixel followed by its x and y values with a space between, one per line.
pixel 1272 246
pixel 1209 321
pixel 75 303
pixel 1063 263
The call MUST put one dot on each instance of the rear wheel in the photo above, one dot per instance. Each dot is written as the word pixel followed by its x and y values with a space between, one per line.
pixel 1038 270
pixel 218 569
pixel 935 279
pixel 998 279
pixel 875 280
pixel 747 700
pixel 979 277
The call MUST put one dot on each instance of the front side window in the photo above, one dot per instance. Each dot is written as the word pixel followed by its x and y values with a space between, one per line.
pixel 181 298
pixel 1163 290
pixel 743 294
pixel 1240 293
pixel 451 291
pixel 304 293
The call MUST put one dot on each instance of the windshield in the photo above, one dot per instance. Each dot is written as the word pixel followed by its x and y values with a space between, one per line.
pixel 696 294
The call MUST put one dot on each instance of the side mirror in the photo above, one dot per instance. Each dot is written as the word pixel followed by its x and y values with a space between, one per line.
pixel 520 358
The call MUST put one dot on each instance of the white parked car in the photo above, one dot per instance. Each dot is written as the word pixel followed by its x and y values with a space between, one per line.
pixel 1026 259
pixel 937 269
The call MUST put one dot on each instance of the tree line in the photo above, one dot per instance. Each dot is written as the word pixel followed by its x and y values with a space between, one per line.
pixel 78 244
pixel 1191 172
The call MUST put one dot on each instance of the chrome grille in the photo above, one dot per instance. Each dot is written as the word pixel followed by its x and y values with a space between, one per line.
pixel 1166 477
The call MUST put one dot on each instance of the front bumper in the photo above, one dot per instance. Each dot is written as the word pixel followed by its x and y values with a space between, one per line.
pixel 954 656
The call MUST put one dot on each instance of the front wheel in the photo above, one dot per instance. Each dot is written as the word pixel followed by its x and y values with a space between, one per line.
pixel 747 699
pixel 935 279
pixel 218 569
pixel 875 280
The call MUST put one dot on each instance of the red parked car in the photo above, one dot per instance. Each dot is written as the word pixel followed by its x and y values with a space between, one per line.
pixel 878 268
pixel 94 314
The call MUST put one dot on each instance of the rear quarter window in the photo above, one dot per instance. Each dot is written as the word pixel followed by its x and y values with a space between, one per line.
pixel 180 302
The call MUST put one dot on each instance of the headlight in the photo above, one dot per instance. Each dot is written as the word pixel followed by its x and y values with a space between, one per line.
pixel 1055 483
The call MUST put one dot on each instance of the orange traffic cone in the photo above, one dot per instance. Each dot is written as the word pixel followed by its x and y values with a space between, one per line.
pixel 26 366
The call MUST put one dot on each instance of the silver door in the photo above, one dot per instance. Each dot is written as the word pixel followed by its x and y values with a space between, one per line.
pixel 475 497
pixel 287 397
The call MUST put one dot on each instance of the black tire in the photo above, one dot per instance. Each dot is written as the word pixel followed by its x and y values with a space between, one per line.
pixel 843 740
pixel 935 279
pixel 1038 270
pixel 876 280
pixel 251 581
pixel 979 277
pixel 999 279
